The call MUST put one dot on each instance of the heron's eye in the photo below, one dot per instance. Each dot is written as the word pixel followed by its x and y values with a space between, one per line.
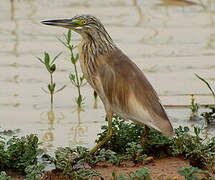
pixel 84 21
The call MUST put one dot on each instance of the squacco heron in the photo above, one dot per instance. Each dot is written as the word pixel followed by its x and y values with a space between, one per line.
pixel 120 84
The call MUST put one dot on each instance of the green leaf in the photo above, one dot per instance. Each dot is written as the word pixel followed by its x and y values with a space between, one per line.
pixel 56 57
pixel 77 57
pixel 79 100
pixel 73 59
pixel 72 77
pixel 62 42
pixel 40 60
pixel 51 87
pixel 197 131
pixel 47 58
pixel 81 78
pixel 60 89
pixel 69 36
pixel 114 174
pixel 208 85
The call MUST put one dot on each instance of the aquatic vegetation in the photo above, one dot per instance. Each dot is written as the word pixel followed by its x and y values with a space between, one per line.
pixel 209 116
pixel 200 152
pixel 127 133
pixel 4 176
pixel 194 109
pixel 190 172
pixel 140 174
pixel 34 171
pixel 69 162
pixel 51 67
pixel 21 154
pixel 75 78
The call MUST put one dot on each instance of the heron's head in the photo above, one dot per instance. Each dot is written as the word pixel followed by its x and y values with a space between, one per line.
pixel 85 25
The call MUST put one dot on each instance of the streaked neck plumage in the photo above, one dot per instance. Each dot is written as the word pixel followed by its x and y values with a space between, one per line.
pixel 96 42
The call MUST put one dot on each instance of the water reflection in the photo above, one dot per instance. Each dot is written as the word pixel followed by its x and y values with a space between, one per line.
pixel 211 42
pixel 79 131
pixel 52 116
pixel 140 13
pixel 32 12
pixel 14 32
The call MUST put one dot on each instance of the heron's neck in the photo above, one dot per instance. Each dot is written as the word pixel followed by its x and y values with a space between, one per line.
pixel 97 43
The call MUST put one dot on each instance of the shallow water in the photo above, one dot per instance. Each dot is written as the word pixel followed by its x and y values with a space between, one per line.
pixel 169 40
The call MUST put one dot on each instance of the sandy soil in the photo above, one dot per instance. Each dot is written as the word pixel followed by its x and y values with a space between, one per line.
pixel 166 167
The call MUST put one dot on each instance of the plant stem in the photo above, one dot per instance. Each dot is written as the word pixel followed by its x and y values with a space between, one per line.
pixel 78 85
pixel 51 92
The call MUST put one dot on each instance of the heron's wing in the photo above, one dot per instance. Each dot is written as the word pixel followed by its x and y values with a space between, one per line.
pixel 130 93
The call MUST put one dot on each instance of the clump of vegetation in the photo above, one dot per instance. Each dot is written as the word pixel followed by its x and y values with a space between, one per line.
pixel 19 153
pixel 75 78
pixel 4 176
pixel 200 152
pixel 72 161
pixel 140 174
pixel 209 116
pixel 190 173
pixel 51 67
pixel 125 134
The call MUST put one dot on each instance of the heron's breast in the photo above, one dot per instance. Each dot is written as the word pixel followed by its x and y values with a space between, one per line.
pixel 90 66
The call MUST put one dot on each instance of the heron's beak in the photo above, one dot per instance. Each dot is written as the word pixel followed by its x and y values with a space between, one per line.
pixel 67 23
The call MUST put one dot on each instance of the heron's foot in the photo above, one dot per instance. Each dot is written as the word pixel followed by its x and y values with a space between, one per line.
pixel 107 138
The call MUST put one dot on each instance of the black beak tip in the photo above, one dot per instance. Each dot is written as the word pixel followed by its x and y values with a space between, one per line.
pixel 46 22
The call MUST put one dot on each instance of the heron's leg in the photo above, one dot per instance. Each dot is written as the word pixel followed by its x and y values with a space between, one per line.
pixel 145 135
pixel 107 137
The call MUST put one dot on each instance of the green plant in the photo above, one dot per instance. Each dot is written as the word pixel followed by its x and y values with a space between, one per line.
pixel 209 116
pixel 140 174
pixel 125 133
pixel 208 85
pixel 4 176
pixel 84 174
pixel 190 173
pixel 68 161
pixel 19 153
pixel 51 67
pixel 77 81
pixel 194 148
pixel 135 153
pixel 194 109
pixel 23 151
pixel 34 171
